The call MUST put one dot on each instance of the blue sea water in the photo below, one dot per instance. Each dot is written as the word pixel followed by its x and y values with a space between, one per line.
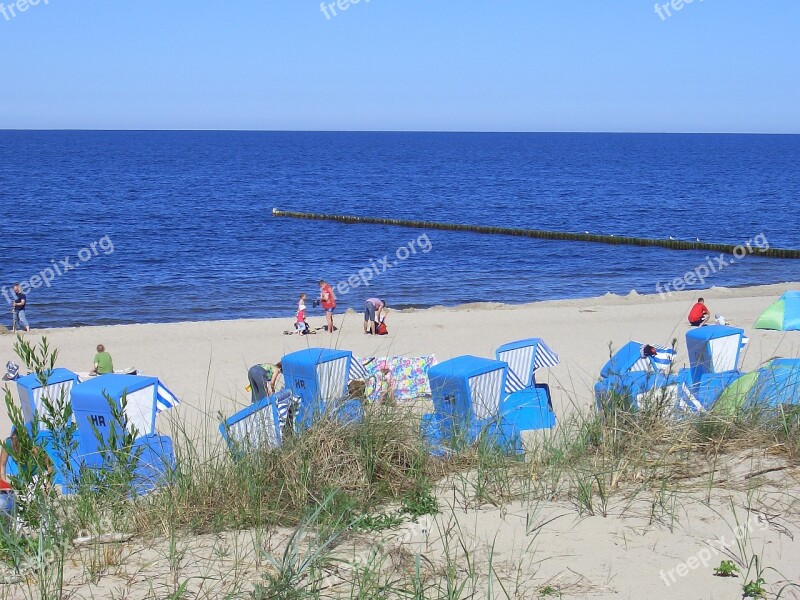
pixel 189 217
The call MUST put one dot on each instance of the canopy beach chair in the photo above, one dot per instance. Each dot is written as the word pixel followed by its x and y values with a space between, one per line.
pixel 636 377
pixel 145 398
pixel 259 425
pixel 471 402
pixel 318 378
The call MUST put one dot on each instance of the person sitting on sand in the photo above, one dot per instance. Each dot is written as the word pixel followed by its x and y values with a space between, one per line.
pixel 103 364
pixel 699 314
pixel 373 310
pixel 263 379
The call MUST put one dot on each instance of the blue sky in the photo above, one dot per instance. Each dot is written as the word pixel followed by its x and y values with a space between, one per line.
pixel 509 65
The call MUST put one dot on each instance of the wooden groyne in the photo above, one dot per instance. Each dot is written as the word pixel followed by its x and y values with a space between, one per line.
pixel 549 235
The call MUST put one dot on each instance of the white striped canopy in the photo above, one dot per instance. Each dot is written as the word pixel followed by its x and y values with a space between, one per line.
pixel 165 399
pixel 523 358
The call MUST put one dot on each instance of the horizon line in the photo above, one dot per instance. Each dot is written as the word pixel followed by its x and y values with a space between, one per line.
pixel 461 131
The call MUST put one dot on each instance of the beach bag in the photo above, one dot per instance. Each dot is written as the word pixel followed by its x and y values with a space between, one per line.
pixel 381 329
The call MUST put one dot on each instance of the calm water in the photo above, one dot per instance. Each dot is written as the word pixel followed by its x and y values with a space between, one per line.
pixel 189 216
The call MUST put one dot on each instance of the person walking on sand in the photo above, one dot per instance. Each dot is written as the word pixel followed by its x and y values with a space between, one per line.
pixel 699 314
pixel 328 301
pixel 373 309
pixel 18 310
pixel 103 365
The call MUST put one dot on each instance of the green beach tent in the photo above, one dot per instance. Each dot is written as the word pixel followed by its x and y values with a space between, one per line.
pixel 784 315
pixel 775 384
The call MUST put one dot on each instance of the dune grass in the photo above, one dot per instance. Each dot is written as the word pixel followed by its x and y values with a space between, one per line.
pixel 278 522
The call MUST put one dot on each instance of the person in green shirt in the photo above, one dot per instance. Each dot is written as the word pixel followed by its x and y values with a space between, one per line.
pixel 102 361
pixel 263 379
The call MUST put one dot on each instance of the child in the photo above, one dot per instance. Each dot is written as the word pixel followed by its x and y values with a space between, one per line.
pixel 300 324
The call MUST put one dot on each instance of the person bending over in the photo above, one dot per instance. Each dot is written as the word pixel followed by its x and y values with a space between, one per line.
pixel 373 309
pixel 263 379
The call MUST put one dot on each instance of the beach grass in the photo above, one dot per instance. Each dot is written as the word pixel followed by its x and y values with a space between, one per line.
pixel 363 510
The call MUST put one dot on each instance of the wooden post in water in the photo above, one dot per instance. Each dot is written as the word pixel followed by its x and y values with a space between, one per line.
pixel 545 235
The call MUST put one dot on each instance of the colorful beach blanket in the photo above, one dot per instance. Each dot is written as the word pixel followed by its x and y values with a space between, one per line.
pixel 404 377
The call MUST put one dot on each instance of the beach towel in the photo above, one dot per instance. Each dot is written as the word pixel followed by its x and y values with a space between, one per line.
pixel 404 377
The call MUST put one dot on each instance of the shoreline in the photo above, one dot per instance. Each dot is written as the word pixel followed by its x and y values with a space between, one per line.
pixel 606 299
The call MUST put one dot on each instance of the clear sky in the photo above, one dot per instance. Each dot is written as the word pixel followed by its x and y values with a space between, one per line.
pixel 508 65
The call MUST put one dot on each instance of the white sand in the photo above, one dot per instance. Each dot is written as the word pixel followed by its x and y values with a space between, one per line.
pixel 206 363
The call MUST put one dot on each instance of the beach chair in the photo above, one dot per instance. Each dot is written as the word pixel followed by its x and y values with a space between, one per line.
pixel 467 393
pixel 31 391
pixel 529 404
pixel 714 356
pixel 524 357
pixel 258 426
pixel 634 379
pixel 145 398
pixel 318 378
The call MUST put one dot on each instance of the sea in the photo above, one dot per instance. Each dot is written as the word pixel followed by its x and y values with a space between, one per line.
pixel 111 227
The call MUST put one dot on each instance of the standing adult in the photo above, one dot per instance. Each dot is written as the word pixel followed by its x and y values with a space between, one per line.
pixel 328 301
pixel 373 309
pixel 18 309
pixel 699 314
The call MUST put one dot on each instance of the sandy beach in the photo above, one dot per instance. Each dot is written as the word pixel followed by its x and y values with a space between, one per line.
pixel 205 363
pixel 620 555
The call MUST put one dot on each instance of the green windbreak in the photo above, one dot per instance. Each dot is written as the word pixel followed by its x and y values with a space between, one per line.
pixel 732 398
pixel 772 318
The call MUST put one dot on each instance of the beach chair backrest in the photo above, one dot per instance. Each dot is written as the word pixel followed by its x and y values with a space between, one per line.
pixel 467 388
pixel 317 376
pixel 31 391
pixel 714 349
